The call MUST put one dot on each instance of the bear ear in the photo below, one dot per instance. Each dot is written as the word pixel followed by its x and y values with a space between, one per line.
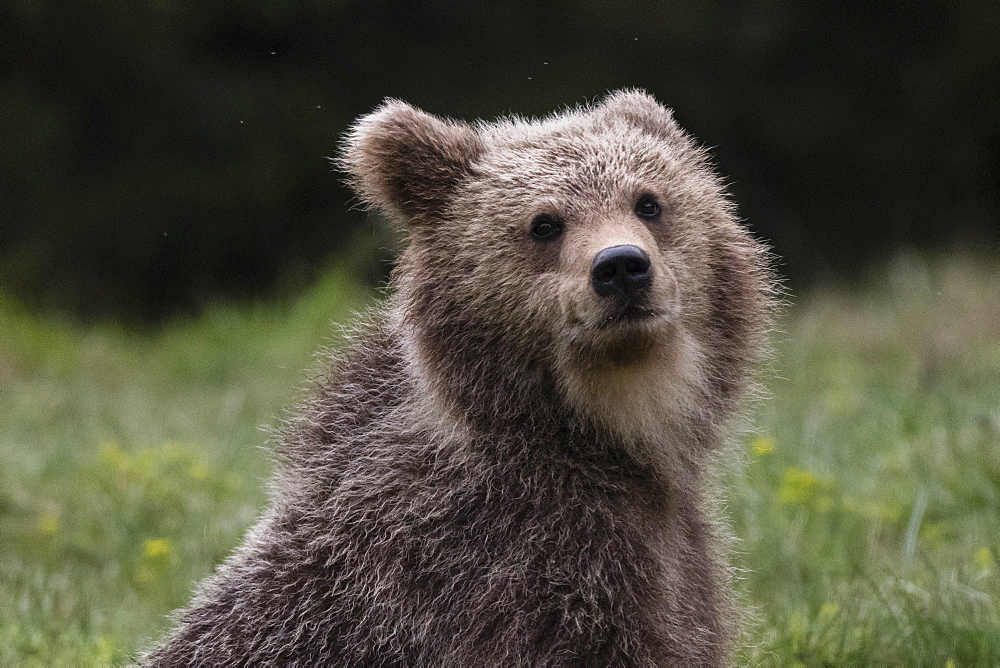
pixel 407 162
pixel 640 109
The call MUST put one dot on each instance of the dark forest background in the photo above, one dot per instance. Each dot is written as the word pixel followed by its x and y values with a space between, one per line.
pixel 155 155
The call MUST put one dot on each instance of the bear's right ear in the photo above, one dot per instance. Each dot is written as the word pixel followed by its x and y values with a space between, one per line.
pixel 407 162
pixel 641 110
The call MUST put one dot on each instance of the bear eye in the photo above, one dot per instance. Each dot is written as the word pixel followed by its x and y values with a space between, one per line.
pixel 647 207
pixel 546 228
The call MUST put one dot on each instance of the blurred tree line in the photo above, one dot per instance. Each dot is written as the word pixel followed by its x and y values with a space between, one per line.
pixel 155 154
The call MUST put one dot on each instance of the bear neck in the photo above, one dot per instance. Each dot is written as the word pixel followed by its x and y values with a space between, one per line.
pixel 481 381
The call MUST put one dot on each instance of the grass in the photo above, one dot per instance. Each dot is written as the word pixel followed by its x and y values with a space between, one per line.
pixel 869 511
pixel 130 466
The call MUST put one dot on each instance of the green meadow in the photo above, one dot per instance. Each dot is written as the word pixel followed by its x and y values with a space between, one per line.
pixel 865 499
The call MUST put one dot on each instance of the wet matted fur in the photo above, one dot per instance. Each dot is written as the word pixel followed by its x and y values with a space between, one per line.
pixel 501 468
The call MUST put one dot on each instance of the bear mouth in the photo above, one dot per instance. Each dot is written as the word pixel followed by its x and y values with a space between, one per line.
pixel 621 341
pixel 617 321
pixel 630 313
pixel 622 324
pixel 622 337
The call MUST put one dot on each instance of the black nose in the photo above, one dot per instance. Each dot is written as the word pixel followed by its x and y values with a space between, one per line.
pixel 623 271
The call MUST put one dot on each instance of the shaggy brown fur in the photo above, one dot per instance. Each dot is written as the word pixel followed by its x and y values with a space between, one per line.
pixel 501 469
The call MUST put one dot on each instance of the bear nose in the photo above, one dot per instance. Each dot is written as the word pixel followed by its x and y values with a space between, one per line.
pixel 623 271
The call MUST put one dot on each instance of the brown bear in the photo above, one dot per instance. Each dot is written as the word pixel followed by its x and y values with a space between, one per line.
pixel 506 465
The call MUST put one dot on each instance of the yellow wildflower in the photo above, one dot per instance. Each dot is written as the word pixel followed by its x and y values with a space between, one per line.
pixel 111 453
pixel 797 486
pixel 198 471
pixel 762 445
pixel 48 523
pixel 157 547
pixel 828 610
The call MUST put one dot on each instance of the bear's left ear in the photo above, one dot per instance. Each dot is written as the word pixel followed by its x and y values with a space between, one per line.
pixel 407 162
pixel 641 110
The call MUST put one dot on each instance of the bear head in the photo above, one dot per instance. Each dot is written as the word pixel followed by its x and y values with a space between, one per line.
pixel 586 264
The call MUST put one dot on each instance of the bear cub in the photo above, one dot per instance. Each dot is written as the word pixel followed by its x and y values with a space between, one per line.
pixel 506 465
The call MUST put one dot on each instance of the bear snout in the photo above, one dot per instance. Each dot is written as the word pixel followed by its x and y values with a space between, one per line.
pixel 624 272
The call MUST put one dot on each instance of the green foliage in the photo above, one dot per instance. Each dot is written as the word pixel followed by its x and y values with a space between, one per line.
pixel 869 511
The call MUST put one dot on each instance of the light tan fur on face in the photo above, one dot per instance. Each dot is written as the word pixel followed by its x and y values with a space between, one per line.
pixel 637 377
pixel 647 399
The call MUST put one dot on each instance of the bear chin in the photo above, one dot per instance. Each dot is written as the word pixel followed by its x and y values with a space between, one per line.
pixel 625 345
pixel 621 339
pixel 630 350
pixel 637 379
